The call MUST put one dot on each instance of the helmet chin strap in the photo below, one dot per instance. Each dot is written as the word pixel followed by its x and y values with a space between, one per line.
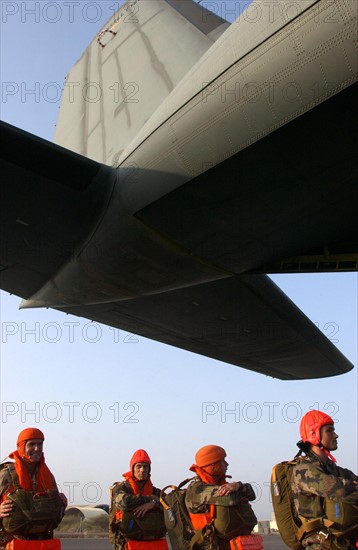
pixel 326 451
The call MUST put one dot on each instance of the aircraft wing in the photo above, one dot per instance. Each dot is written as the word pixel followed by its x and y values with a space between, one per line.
pixel 53 203
pixel 244 320
pixel 51 199
pixel 239 160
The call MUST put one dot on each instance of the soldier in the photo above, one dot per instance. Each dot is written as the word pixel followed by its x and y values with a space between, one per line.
pixel 219 511
pixel 322 490
pixel 28 473
pixel 136 513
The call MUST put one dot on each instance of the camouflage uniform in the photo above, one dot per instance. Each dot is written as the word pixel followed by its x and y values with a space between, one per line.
pixel 5 480
pixel 200 495
pixel 124 499
pixel 312 482
pixel 5 484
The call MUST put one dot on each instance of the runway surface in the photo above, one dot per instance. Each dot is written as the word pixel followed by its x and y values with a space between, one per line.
pixel 271 542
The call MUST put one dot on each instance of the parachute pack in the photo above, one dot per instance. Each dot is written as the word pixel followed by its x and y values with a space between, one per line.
pixel 32 513
pixel 125 526
pixel 146 528
pixel 341 518
pixel 287 520
pixel 176 516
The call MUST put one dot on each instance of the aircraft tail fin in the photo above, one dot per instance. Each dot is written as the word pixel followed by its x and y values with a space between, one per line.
pixel 126 72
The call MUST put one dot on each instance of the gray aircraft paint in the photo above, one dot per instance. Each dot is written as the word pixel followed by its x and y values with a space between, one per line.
pixel 207 186
pixel 121 78
pixel 202 122
pixel 194 129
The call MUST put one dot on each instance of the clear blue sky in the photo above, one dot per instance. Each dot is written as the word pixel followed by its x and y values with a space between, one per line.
pixel 98 393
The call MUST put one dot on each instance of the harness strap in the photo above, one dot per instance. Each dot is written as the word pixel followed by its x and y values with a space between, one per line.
pixel 173 488
pixel 313 525
pixel 201 536
pixel 308 527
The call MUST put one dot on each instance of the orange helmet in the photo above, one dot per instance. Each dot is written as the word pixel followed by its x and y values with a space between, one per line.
pixel 29 433
pixel 210 454
pixel 311 424
pixel 26 435
pixel 139 456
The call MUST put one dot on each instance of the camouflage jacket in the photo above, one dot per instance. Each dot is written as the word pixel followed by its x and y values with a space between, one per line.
pixel 5 479
pixel 314 481
pixel 122 498
pixel 5 484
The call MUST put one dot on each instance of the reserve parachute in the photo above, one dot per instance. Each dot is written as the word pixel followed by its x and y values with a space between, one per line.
pixel 32 512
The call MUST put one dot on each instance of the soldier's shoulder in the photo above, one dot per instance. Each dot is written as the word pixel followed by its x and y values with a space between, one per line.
pixel 303 464
pixel 197 487
pixel 6 465
pixel 5 476
pixel 308 470
pixel 196 484
pixel 115 484
pixel 118 486
pixel 304 461
pixel 5 469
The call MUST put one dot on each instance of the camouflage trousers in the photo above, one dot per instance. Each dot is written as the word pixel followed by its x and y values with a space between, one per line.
pixel 319 542
pixel 117 540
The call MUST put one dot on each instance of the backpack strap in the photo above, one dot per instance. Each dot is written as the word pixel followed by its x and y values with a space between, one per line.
pixel 185 481
pixel 206 534
pixel 162 495
pixel 173 488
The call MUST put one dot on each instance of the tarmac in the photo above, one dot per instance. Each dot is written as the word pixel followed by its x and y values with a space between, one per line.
pixel 271 542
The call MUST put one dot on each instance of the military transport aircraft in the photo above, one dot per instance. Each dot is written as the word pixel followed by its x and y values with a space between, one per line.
pixel 192 157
